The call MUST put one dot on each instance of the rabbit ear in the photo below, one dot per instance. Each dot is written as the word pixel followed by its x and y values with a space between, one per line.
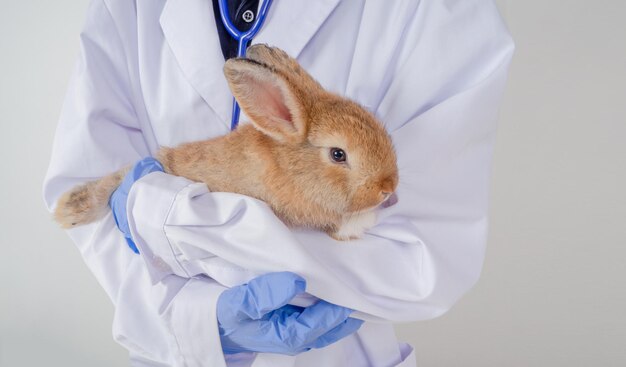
pixel 267 98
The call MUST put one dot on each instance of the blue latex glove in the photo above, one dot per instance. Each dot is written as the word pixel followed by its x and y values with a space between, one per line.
pixel 255 317
pixel 118 199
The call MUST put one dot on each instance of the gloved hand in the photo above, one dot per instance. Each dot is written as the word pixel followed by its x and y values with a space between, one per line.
pixel 255 317
pixel 118 199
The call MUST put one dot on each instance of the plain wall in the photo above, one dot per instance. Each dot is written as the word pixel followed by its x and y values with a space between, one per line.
pixel 553 289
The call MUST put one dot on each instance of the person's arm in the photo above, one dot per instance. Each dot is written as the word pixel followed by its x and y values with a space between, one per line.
pixel 172 322
pixel 427 250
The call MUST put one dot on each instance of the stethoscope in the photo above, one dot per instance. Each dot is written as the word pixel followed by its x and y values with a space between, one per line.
pixel 242 38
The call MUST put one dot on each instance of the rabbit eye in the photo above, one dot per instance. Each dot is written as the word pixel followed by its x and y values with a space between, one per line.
pixel 337 155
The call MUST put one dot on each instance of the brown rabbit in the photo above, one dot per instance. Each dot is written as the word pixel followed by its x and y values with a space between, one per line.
pixel 319 160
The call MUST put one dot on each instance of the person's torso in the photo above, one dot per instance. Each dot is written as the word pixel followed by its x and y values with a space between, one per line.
pixel 180 95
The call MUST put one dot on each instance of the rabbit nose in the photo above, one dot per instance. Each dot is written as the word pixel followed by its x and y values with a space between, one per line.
pixel 387 186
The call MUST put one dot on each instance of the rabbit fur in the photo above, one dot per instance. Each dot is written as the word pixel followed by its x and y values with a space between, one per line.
pixel 282 157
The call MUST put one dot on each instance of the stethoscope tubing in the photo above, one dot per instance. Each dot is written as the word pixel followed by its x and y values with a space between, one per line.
pixel 242 38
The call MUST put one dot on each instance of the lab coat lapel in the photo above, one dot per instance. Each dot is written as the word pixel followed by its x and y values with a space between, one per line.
pixel 190 31
pixel 293 23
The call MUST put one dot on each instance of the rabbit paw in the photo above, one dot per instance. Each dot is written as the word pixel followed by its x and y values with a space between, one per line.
pixel 354 226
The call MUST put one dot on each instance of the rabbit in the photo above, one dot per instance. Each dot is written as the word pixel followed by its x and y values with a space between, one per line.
pixel 317 159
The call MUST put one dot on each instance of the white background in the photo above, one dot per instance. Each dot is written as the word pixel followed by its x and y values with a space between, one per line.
pixel 553 290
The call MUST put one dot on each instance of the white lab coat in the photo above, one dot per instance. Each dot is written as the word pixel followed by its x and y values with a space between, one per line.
pixel 150 74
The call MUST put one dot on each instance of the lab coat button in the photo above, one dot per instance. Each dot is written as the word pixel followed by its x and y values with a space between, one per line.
pixel 248 16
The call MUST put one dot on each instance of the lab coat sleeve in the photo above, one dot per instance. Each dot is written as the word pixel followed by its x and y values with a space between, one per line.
pixel 171 322
pixel 428 249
